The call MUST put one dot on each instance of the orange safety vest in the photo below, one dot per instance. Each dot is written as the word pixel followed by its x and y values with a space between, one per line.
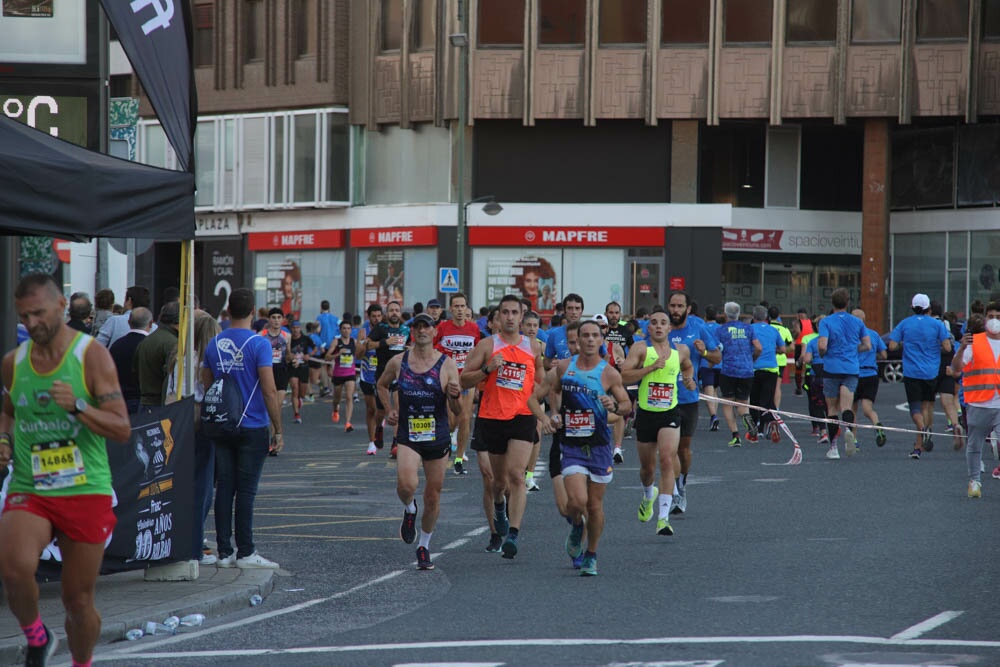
pixel 981 376
pixel 805 328
pixel 509 387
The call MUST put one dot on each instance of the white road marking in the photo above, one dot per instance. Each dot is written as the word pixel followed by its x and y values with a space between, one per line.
pixel 478 531
pixel 671 663
pixel 135 651
pixel 923 627
pixel 764 479
pixel 449 664
pixel 456 544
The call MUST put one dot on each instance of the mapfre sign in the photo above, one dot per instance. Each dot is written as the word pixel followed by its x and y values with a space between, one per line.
pixel 394 236
pixel 615 237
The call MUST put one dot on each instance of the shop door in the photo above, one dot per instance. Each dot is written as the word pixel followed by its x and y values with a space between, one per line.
pixel 789 287
pixel 646 277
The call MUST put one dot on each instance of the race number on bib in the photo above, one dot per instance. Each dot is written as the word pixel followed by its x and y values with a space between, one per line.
pixel 276 356
pixel 57 465
pixel 346 359
pixel 460 358
pixel 512 376
pixel 661 395
pixel 579 423
pixel 422 429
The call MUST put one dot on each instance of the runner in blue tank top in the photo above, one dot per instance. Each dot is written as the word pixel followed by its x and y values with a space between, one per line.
pixel 427 387
pixel 587 388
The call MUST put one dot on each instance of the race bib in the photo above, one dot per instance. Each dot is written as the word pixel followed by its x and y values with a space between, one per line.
pixel 276 356
pixel 460 358
pixel 396 343
pixel 579 423
pixel 57 465
pixel 512 376
pixel 346 359
pixel 422 429
pixel 661 395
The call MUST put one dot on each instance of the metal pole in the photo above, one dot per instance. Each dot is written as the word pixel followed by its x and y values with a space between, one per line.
pixel 463 72
pixel 9 264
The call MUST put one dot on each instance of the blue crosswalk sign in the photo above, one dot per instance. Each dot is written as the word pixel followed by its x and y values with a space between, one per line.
pixel 447 280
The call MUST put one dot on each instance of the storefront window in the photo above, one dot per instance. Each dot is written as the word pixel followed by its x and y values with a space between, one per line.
pixel 297 282
pixel 501 23
pixel 811 21
pixel 741 283
pixel 789 287
pixel 984 266
pixel 686 21
pixel 596 287
pixel 748 21
pixel 535 273
pixel 623 22
pixel 407 275
pixel 562 22
pixel 918 265
pixel 876 21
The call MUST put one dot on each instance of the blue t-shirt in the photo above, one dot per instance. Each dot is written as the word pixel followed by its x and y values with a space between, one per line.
pixel 843 333
pixel 921 336
pixel 329 327
pixel 691 331
pixel 556 346
pixel 812 347
pixel 868 361
pixel 318 342
pixel 737 349
pixel 223 355
pixel 770 339
pixel 22 333
pixel 542 336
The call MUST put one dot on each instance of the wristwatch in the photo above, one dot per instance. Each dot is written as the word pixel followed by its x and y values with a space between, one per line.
pixel 485 369
pixel 79 406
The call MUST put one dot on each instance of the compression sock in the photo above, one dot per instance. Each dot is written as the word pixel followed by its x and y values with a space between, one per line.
pixel 35 632
pixel 499 508
pixel 665 502
pixel 848 416
pixel 425 539
pixel 832 428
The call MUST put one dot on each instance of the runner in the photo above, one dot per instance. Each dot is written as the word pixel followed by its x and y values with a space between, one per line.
pixel 739 349
pixel 656 366
pixel 427 389
pixel 804 328
pixel 774 317
pixel 457 337
pixel 922 339
pixel 589 389
pixel 708 376
pixel 946 383
pixel 276 335
pixel 618 334
pixel 369 362
pixel 765 377
pixel 508 412
pixel 868 379
pixel 343 351
pixel 388 339
pixel 703 348
pixel 812 360
pixel 300 349
pixel 530 322
pixel 556 347
pixel 319 376
pixel 478 445
pixel 67 402
pixel 841 338
pixel 977 359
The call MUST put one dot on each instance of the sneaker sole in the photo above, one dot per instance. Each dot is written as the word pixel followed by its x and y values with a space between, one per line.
pixel 588 573
pixel 509 550
pixel 666 530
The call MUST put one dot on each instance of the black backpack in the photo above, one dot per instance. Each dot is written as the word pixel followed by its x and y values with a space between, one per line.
pixel 223 409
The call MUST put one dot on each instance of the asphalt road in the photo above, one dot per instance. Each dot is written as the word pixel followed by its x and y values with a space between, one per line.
pixel 867 561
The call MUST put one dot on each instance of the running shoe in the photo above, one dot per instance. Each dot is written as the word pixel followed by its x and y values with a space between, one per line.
pixel 372 449
pixel 618 457
pixel 335 417
pixel 996 473
pixel 459 468
pixel 578 561
pixel 833 454
pixel 824 439
pixel 408 528
pixel 298 418
pixel 928 440
pixel 850 442
pixel 226 562
pixel 392 452
pixel 531 484
pixel 588 567
pixel 256 562
pixel 424 559
pixel 750 425
pixel 775 433
pixel 735 442
pixel 646 506
pixel 975 489
pixel 751 438
pixel 37 656
pixel 879 435
pixel 714 424
pixel 663 527
pixel 950 428
pixel 500 521
pixel 348 427
pixel 272 452
pixel 574 541
pixel 509 547
pixel 915 454
pixel 680 502
pixel 495 542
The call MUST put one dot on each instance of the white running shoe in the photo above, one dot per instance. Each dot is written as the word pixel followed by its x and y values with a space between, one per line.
pixel 208 559
pixel 227 562
pixel 832 453
pixel 618 457
pixel 850 442
pixel 372 449
pixel 256 562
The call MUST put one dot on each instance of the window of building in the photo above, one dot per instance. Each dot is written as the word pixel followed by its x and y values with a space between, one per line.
pixel 978 168
pixel 306 28
pixel 991 19
pixel 562 22
pixel 943 19
pixel 923 163
pixel 686 21
pixel 255 30
pixel 254 168
pixel 811 21
pixel 782 167
pixel 623 22
pixel 732 164
pixel 392 25
pixel 500 23
pixel 204 35
pixel 338 146
pixel 424 20
pixel 304 158
pixel 876 21
pixel 748 21
pixel 831 175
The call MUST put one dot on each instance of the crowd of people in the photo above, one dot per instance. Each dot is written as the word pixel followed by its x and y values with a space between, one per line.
pixel 436 384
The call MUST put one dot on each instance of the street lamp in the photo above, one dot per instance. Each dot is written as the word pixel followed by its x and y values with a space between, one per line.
pixel 460 41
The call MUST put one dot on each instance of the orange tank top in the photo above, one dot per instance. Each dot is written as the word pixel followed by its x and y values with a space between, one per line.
pixel 509 387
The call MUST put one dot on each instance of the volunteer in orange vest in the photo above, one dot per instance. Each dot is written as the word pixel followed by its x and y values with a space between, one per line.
pixel 805 328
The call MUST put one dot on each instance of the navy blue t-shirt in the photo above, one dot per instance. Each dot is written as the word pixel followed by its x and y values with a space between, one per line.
pixel 737 339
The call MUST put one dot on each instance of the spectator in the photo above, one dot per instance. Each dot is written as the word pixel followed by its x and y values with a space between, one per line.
pixel 123 351
pixel 150 360
pixel 117 326
pixel 224 320
pixel 80 311
pixel 104 301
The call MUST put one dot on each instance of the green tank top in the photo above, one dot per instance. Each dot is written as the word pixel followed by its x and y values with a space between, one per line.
pixel 54 454
pixel 658 390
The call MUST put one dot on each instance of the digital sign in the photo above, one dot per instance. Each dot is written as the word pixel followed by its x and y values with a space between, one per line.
pixel 50 38
pixel 63 117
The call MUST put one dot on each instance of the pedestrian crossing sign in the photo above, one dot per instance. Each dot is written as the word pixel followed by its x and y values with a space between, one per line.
pixel 447 280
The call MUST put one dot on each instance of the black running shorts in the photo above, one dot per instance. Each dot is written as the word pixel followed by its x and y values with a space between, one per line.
pixel 918 391
pixel 867 388
pixel 555 457
pixel 648 424
pixel 735 388
pixel 496 433
pixel 689 418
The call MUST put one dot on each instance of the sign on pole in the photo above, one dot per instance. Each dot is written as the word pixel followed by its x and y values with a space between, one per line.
pixel 447 280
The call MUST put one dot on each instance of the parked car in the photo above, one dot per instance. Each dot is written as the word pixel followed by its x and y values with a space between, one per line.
pixel 891 369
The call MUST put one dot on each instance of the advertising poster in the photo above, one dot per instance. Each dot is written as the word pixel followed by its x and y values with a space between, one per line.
pixel 284 285
pixel 29 8
pixel 534 275
pixel 384 279
pixel 221 272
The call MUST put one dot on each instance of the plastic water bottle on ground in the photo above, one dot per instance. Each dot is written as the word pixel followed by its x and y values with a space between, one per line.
pixel 154 628
pixel 192 620
pixel 172 622
pixel 255 600
pixel 134 634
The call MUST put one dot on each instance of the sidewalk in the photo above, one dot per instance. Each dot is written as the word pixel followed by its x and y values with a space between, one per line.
pixel 126 601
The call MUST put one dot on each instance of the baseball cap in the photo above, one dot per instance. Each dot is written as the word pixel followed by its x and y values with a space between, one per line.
pixel 600 318
pixel 921 301
pixel 433 303
pixel 423 318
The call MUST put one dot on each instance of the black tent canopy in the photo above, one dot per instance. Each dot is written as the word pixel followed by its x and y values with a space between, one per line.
pixel 54 188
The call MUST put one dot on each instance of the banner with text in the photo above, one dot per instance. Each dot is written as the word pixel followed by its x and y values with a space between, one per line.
pixel 534 275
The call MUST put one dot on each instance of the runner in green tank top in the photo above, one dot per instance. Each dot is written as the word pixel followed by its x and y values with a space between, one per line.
pixel 656 367
pixel 61 401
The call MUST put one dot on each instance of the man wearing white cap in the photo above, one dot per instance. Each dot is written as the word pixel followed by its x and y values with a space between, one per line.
pixel 922 338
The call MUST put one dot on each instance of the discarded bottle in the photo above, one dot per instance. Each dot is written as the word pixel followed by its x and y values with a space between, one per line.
pixel 172 622
pixel 255 600
pixel 192 620
pixel 134 634
pixel 154 628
